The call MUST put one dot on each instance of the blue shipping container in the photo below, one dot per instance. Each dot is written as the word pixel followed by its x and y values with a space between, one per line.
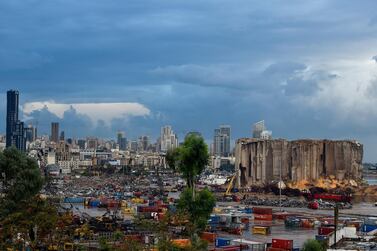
pixel 214 219
pixel 74 200
pixel 248 210
pixel 321 237
pixel 367 228
pixel 94 203
pixel 222 242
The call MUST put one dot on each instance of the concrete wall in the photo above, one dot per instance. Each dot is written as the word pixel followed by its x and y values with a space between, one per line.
pixel 261 161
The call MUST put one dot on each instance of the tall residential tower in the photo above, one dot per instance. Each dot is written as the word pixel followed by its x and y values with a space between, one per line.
pixel 15 132
pixel 221 141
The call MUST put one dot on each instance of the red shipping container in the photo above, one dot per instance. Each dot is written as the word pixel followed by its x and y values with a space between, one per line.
pixel 281 215
pixel 262 210
pixel 281 243
pixel 263 217
pixel 276 249
pixel 234 248
pixel 325 230
pixel 134 237
pixel 208 236
pixel 245 220
pixel 137 194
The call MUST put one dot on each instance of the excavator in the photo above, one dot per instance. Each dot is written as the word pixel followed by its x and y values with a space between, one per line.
pixel 228 193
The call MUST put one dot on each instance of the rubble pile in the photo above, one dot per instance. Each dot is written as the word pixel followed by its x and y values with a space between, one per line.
pixel 289 202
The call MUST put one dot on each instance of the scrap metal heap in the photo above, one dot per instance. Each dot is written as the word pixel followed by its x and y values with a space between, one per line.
pixel 260 161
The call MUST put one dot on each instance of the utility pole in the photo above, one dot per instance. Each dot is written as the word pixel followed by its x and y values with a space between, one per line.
pixel 336 215
pixel 280 177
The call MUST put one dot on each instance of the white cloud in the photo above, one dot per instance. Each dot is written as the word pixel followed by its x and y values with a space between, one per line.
pixel 349 95
pixel 95 111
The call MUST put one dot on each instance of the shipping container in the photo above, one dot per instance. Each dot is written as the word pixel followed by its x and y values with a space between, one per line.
pixel 281 215
pixel 234 248
pixel 94 203
pixel 275 249
pixel 181 243
pixel 74 200
pixel 262 210
pixel 264 230
pixel 214 219
pixel 222 242
pixel 321 237
pixel 263 217
pixel 370 221
pixel 245 220
pixel 368 228
pixel 248 210
pixel 282 243
pixel 208 236
pixel 325 230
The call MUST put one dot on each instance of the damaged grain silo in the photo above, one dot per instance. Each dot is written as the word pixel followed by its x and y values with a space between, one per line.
pixel 260 161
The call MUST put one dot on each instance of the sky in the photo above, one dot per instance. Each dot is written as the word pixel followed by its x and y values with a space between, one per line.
pixel 308 68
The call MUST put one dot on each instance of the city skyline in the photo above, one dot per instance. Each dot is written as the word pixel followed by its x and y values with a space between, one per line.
pixel 307 69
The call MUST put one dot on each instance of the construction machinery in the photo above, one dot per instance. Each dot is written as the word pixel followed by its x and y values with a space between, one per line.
pixel 230 189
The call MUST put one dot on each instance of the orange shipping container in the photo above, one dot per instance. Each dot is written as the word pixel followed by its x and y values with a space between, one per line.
pixel 263 217
pixel 208 236
pixel 182 243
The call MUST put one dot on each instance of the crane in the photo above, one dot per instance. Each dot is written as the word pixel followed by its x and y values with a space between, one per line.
pixel 230 186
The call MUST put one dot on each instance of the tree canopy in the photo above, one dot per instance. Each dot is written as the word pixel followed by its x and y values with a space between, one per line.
pixel 199 208
pixel 20 178
pixel 190 158
pixel 313 245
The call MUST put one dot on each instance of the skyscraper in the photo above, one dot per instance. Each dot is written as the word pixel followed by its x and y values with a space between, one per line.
pixel 221 141
pixel 55 132
pixel 12 115
pixel 121 141
pixel 260 131
pixel 31 133
pixel 143 143
pixel 15 131
pixel 168 140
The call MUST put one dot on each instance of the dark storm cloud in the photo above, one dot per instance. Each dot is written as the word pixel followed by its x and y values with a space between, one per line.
pixel 194 64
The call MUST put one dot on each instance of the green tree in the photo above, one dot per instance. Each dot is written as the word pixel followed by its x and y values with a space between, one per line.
pixel 172 158
pixel 20 178
pixel 313 245
pixel 22 212
pixel 191 158
pixel 199 208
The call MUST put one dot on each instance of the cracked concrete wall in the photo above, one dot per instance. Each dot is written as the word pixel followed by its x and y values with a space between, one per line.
pixel 262 161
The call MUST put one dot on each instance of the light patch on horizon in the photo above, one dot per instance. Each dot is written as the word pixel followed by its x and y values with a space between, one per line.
pixel 352 91
pixel 95 111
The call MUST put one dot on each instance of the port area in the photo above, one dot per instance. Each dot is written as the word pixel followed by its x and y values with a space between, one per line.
pixel 279 230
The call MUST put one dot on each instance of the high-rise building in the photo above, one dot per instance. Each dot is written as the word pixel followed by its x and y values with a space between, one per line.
pixel 260 131
pixel 133 145
pixel 15 131
pixel 143 143
pixel 169 139
pixel 19 138
pixel 62 136
pixel 12 115
pixel 92 143
pixel 31 133
pixel 81 143
pixel 221 141
pixel 55 132
pixel 122 141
